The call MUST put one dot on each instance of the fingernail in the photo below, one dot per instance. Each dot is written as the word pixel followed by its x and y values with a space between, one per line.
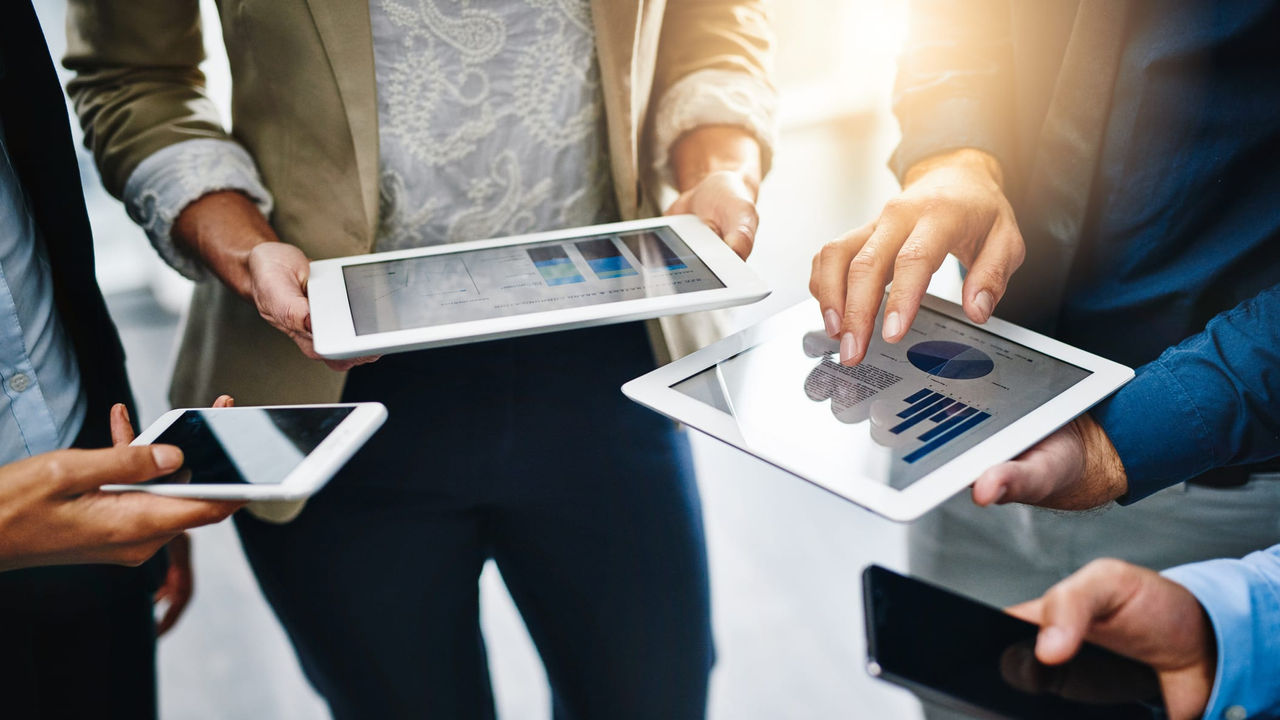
pixel 1004 490
pixel 892 326
pixel 832 319
pixel 166 457
pixel 985 303
pixel 848 348
pixel 1053 641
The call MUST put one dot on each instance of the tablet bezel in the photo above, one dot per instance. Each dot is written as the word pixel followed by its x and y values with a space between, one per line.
pixel 315 470
pixel 654 390
pixel 333 328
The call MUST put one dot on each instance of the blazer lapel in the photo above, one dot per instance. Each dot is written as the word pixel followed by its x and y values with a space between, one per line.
pixel 348 42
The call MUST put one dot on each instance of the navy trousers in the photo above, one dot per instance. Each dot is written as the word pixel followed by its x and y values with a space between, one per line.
pixel 524 451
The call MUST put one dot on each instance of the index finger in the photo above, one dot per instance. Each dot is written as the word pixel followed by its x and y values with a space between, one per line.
pixel 869 271
pixel 1031 610
pixel 829 277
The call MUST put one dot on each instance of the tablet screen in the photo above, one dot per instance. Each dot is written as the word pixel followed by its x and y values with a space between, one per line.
pixel 519 279
pixel 905 411
pixel 247 445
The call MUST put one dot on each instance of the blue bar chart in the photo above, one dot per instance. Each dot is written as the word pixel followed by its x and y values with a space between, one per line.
pixel 942 419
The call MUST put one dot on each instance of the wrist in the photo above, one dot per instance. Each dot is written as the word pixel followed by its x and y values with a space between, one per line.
pixel 1103 467
pixel 222 229
pixel 712 149
pixel 969 160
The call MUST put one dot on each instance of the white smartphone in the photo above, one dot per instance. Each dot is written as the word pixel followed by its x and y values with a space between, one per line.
pixel 285 452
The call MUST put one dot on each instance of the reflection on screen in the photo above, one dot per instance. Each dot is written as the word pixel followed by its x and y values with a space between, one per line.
pixel 985 658
pixel 516 280
pixel 247 445
pixel 906 410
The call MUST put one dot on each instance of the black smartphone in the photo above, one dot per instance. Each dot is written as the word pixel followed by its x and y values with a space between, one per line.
pixel 965 655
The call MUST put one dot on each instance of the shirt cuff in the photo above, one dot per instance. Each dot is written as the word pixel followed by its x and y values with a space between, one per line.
pixel 1243 606
pixel 714 97
pixel 1141 418
pixel 172 178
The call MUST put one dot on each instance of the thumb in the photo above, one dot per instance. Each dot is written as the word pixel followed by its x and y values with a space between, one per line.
pixel 738 221
pixel 79 471
pixel 1071 607
pixel 995 485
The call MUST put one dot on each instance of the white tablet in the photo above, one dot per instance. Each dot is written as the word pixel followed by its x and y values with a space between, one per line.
pixel 285 452
pixel 913 424
pixel 488 289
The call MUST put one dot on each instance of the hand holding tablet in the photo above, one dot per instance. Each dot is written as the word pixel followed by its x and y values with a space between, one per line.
pixel 911 425
pixel 507 287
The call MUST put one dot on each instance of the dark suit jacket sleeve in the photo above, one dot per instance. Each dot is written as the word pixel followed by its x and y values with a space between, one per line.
pixel 955 81
pixel 1212 401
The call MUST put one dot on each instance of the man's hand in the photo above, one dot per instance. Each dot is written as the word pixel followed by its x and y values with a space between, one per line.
pixel 950 203
pixel 226 230
pixel 1137 613
pixel 52 513
pixel 717 170
pixel 1076 468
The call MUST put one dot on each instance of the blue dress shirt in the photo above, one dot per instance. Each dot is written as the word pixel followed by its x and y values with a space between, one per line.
pixel 1182 246
pixel 1242 600
pixel 42 405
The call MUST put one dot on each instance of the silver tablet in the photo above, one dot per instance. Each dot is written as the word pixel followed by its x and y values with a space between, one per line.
pixel 913 424
pixel 488 289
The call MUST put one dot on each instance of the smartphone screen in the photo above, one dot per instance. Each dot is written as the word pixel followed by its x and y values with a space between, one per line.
pixel 950 649
pixel 256 446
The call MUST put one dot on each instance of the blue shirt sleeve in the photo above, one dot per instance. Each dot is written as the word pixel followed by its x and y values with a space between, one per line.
pixel 1211 401
pixel 1242 600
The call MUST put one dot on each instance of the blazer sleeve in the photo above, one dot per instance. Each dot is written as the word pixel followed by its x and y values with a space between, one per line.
pixel 715 64
pixel 1211 401
pixel 138 86
pixel 954 87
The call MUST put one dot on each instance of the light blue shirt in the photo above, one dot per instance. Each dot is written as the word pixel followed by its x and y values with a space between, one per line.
pixel 1242 600
pixel 42 405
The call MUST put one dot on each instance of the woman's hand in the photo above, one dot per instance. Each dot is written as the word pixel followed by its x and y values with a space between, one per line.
pixel 717 171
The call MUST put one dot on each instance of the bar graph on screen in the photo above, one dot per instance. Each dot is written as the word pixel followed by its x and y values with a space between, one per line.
pixel 942 418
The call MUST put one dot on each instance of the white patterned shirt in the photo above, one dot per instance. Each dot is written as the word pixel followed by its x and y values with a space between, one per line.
pixel 490 120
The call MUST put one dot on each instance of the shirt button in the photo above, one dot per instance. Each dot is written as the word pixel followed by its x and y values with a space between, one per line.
pixel 1236 712
pixel 19 382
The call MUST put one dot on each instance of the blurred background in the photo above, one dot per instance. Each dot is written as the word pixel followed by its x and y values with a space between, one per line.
pixel 785 556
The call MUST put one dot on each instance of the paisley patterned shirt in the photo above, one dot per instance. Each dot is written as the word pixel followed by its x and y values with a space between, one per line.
pixel 491 119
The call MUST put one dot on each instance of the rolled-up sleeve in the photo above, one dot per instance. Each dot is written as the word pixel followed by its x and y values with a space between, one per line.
pixel 1242 601
pixel 713 97
pixel 1211 401
pixel 177 175
pixel 715 64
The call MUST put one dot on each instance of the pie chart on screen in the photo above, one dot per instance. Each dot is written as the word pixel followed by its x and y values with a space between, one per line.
pixel 951 360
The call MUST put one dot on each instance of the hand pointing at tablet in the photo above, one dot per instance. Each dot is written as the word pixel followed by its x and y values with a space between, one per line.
pixel 950 203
